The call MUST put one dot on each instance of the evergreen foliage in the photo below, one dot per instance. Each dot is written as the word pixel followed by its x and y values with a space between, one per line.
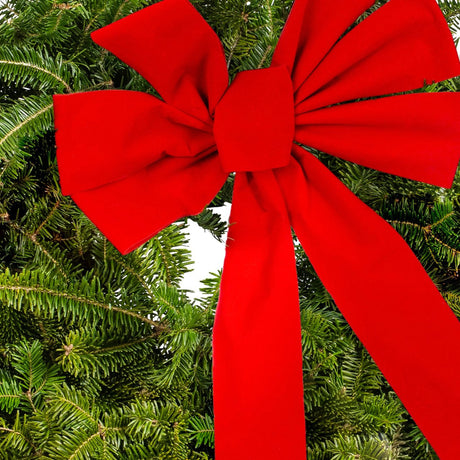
pixel 104 356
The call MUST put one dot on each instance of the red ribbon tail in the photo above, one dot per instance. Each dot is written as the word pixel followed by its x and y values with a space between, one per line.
pixel 258 389
pixel 385 295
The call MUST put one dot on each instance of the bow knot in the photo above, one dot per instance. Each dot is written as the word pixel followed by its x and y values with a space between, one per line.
pixel 254 121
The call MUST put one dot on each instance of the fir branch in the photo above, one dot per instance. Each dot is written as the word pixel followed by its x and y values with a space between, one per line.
pixel 453 299
pixel 133 273
pixel 271 23
pixel 434 228
pixel 17 433
pixel 440 221
pixel 82 446
pixel 69 402
pixel 211 221
pixel 98 354
pixel 30 67
pixel 33 285
pixel 47 218
pixel 119 12
pixel 265 56
pixel 232 49
pixel 83 300
pixel 57 264
pixel 19 436
pixel 202 430
pixel 122 346
pixel 11 63
pixel 32 237
pixel 27 117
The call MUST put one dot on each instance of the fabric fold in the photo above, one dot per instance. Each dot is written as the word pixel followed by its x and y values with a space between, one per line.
pixel 258 391
pixel 132 210
pixel 312 29
pixel 384 293
pixel 173 47
pixel 136 128
pixel 402 46
pixel 415 135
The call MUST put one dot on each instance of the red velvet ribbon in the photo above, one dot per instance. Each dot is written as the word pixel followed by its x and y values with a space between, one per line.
pixel 134 164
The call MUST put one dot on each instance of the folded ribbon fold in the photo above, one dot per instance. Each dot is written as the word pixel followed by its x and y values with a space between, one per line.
pixel 414 136
pixel 387 53
pixel 183 58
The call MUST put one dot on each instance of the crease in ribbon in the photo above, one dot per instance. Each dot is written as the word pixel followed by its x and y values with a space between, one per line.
pixel 134 164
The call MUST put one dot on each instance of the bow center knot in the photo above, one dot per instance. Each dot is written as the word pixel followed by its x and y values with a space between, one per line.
pixel 254 121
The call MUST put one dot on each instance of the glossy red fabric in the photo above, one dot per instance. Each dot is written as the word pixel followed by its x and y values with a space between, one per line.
pixel 134 164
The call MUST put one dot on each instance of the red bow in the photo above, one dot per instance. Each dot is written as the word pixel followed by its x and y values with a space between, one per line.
pixel 134 164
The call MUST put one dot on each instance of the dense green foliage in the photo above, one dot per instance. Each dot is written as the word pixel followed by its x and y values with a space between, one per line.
pixel 104 356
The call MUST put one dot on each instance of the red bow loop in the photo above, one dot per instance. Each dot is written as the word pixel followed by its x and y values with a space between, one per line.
pixel 128 145
pixel 414 136
pixel 137 129
pixel 392 51
pixel 173 47
pixel 312 29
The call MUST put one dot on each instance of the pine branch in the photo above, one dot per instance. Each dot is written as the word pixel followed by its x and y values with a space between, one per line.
pixel 85 448
pixel 433 225
pixel 211 221
pixel 97 354
pixel 10 392
pixel 52 297
pixel 202 430
pixel 451 10
pixel 28 116
pixel 345 448
pixel 29 67
pixel 18 437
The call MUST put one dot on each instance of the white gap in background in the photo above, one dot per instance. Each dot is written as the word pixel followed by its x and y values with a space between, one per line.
pixel 207 253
